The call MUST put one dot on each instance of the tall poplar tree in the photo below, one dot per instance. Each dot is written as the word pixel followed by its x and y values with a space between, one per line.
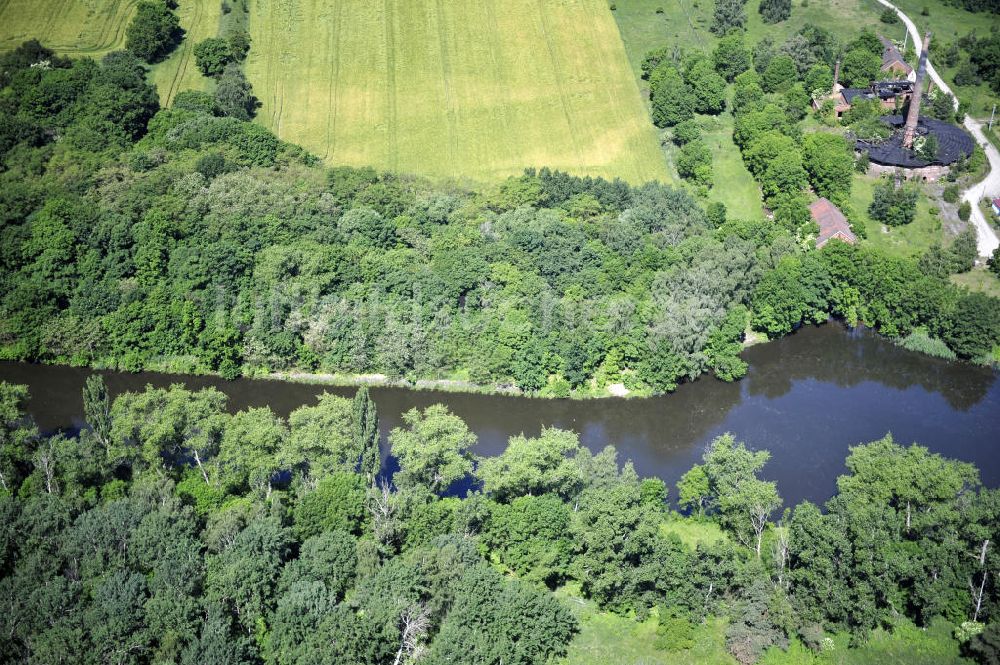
pixel 366 433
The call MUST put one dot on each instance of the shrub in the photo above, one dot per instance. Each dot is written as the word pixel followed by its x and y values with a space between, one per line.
pixel 675 631
pixel 716 213
pixel 780 74
pixel 775 11
pixel 695 163
pixel 194 100
pixel 234 95
pixel 859 67
pixel 892 205
pixel 950 194
pixel 928 148
pixel 686 132
pixel 194 490
pixel 965 211
pixel 728 15
pixel 920 341
pixel 862 162
pixel 338 502
pixel 211 165
pixel 671 98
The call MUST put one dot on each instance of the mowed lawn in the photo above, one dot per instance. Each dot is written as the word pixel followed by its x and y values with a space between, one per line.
pixel 911 239
pixel 70 27
pixel 472 89
pixel 200 20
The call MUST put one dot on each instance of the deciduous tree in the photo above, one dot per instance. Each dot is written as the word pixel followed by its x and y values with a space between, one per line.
pixel 154 31
pixel 433 449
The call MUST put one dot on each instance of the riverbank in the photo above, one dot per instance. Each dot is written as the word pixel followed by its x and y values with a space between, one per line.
pixel 188 366
pixel 555 390
pixel 807 397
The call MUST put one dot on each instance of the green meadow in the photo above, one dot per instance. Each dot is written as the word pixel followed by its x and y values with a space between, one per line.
pixel 200 20
pixel 948 24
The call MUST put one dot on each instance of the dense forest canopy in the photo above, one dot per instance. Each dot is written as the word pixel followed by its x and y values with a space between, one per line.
pixel 172 530
pixel 187 239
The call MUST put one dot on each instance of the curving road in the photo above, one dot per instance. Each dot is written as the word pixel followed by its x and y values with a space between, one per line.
pixel 990 186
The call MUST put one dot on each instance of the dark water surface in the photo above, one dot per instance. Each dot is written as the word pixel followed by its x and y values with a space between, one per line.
pixel 806 398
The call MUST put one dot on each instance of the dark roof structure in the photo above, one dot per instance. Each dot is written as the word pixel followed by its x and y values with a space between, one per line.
pixel 881 90
pixel 851 95
pixel 832 223
pixel 892 89
pixel 953 144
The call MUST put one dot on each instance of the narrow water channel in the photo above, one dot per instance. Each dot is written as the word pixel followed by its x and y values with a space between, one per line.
pixel 806 398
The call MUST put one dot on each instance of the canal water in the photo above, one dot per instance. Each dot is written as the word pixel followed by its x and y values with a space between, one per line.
pixel 807 398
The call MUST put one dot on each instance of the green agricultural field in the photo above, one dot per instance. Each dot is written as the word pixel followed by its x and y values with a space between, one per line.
pixel 95 27
pixel 200 20
pixel 476 89
pixel 70 27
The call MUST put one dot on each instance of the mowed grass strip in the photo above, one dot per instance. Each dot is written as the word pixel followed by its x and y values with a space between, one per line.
pixel 200 20
pixel 473 89
pixel 69 27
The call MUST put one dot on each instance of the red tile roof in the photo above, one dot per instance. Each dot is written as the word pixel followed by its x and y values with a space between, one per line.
pixel 832 223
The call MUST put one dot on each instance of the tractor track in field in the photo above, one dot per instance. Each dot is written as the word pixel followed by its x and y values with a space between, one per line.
pixel 446 74
pixel 185 56
pixel 392 137
pixel 556 71
pixel 333 96
pixel 109 22
pixel 277 100
pixel 495 49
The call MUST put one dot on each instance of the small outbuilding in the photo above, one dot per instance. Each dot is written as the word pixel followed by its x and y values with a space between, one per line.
pixel 893 63
pixel 832 223
pixel 996 206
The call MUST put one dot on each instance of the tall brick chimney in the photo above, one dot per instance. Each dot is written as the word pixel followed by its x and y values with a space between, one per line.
pixel 836 76
pixel 910 128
